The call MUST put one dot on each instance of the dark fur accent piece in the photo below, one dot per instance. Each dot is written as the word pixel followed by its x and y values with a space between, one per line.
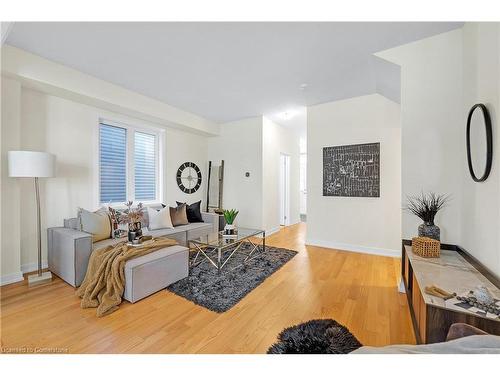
pixel 321 336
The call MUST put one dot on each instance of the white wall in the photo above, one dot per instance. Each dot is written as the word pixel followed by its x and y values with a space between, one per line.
pixel 277 140
pixel 182 147
pixel 254 145
pixel 70 131
pixel 240 146
pixel 360 224
pixel 480 218
pixel 442 77
pixel 10 255
pixel 432 125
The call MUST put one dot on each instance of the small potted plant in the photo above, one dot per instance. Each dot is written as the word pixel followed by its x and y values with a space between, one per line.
pixel 426 206
pixel 133 216
pixel 229 216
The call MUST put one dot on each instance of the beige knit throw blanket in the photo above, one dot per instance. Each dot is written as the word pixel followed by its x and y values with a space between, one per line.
pixel 105 279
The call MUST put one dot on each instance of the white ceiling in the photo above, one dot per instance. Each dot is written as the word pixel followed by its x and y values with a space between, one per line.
pixel 296 121
pixel 230 71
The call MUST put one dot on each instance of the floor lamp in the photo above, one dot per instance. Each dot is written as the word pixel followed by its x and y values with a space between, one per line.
pixel 34 164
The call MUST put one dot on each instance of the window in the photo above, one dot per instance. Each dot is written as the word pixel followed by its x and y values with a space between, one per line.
pixel 113 166
pixel 128 164
pixel 145 166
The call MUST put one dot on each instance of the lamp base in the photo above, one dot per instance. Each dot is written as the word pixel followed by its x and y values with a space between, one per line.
pixel 45 277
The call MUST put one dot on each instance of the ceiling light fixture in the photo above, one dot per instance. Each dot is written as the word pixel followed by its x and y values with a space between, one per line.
pixel 287 115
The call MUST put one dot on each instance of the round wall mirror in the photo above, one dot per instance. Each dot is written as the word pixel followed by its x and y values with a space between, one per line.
pixel 479 142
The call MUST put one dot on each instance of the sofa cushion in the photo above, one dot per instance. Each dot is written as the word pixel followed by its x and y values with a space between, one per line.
pixel 178 229
pixel 163 232
pixel 155 255
pixel 97 223
pixel 193 212
pixel 159 219
pixel 178 215
pixel 155 271
pixel 192 230
pixel 192 226
pixel 145 216
pixel 72 223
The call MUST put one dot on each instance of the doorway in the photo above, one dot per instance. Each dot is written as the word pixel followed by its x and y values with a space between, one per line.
pixel 303 187
pixel 284 189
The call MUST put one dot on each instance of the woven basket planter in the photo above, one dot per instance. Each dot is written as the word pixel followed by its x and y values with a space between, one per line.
pixel 426 247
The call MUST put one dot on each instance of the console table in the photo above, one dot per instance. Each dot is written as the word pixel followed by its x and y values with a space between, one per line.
pixel 454 271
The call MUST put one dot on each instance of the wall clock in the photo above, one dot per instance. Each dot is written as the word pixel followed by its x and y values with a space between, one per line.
pixel 189 177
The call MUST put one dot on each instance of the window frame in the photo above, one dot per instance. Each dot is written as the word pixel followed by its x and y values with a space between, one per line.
pixel 130 162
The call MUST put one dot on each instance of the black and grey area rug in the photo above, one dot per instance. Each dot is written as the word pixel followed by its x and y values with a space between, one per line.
pixel 219 292
pixel 320 336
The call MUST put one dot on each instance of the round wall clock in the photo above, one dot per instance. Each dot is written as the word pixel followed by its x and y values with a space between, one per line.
pixel 189 177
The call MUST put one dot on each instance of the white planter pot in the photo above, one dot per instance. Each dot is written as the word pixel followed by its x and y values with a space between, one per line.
pixel 229 229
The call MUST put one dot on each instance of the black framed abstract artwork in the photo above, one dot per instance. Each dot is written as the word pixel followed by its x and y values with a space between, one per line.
pixel 352 170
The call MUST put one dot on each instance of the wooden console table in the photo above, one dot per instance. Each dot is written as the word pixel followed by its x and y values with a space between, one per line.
pixel 454 271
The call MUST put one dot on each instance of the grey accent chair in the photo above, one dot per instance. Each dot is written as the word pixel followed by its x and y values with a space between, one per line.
pixel 69 248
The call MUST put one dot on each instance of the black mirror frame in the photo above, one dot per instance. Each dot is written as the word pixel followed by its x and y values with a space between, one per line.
pixel 489 142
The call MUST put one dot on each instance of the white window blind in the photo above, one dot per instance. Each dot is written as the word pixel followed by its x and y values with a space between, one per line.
pixel 113 163
pixel 145 166
pixel 128 164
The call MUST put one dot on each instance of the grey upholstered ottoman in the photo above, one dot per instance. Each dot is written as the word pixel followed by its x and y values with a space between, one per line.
pixel 155 271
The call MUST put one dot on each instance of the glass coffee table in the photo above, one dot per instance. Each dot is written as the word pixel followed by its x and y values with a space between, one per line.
pixel 213 246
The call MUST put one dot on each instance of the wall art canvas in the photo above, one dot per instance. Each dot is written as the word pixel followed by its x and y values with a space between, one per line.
pixel 352 170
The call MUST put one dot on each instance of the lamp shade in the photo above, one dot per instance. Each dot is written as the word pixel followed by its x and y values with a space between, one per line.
pixel 31 164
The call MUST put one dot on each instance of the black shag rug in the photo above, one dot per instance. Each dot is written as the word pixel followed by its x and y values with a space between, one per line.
pixel 322 336
pixel 219 292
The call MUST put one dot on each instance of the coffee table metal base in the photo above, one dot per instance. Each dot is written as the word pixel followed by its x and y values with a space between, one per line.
pixel 207 250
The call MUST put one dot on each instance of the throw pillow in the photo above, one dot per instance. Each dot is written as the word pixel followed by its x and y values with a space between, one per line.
pixel 98 223
pixel 193 212
pixel 159 219
pixel 145 218
pixel 178 215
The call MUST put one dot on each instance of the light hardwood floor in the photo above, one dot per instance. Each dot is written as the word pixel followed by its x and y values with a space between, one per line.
pixel 357 290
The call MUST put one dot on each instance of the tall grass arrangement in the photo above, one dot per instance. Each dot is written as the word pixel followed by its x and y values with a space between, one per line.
pixel 426 205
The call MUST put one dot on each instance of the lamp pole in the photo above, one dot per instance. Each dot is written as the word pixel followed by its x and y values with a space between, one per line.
pixel 40 277
pixel 38 227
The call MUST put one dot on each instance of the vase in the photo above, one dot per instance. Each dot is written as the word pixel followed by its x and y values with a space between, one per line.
pixel 229 230
pixel 430 230
pixel 134 231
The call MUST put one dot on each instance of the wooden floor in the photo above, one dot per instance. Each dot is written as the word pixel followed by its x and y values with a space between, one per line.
pixel 357 290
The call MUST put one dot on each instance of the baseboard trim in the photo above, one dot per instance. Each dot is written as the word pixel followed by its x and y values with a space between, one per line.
pixel 11 278
pixel 355 248
pixel 30 267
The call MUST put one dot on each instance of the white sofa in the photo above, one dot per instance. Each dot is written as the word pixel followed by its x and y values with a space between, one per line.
pixel 69 249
